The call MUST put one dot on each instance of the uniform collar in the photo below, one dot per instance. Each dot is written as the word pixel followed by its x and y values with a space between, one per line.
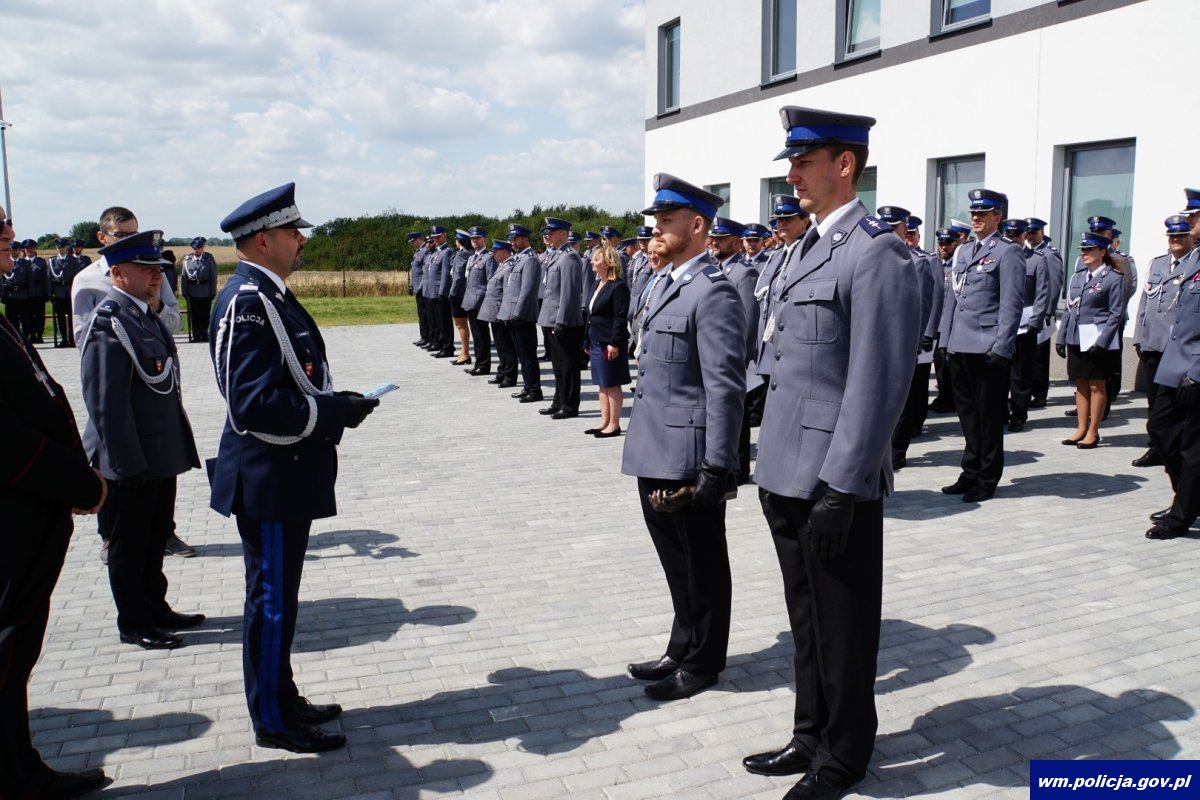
pixel 831 221
pixel 142 305
pixel 275 279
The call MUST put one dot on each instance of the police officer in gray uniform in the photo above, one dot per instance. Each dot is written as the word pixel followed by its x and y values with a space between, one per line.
pixel 561 315
pixel 60 271
pixel 519 309
pixel 437 291
pixel 844 327
pixel 639 268
pixel 16 293
pixel 1036 307
pixel 199 287
pixel 1037 240
pixel 948 242
pixel 980 321
pixel 480 267
pixel 683 432
pixel 39 291
pixel 416 284
pixel 1156 314
pixel 489 313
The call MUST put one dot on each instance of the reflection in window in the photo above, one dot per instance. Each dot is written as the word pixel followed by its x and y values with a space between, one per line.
pixel 862 26
pixel 956 11
pixel 668 63
pixel 721 189
pixel 783 37
pixel 955 177
pixel 866 188
pixel 1099 182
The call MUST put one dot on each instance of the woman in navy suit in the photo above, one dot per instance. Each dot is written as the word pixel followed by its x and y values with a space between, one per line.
pixel 608 337
pixel 1088 337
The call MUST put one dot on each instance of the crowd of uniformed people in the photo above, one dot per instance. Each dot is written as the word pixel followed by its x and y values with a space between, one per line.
pixel 822 327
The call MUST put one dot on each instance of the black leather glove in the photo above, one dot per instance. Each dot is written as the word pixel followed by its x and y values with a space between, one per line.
pixel 829 523
pixel 358 409
pixel 1188 392
pixel 133 482
pixel 559 330
pixel 712 484
pixel 996 360
pixel 926 344
pixel 1061 349
pixel 941 354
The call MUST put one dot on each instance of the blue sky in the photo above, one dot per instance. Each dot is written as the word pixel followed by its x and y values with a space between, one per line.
pixel 181 109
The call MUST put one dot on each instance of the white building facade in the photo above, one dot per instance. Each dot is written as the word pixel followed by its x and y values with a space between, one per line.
pixel 1070 107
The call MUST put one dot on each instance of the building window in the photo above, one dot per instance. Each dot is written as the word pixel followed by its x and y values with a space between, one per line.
pixel 857 28
pixel 770 188
pixel 866 188
pixel 781 38
pixel 1098 181
pixel 954 177
pixel 668 67
pixel 952 14
pixel 722 190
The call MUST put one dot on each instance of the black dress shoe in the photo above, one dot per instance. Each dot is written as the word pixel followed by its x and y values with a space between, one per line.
pixel 1038 403
pixel 302 739
pixel 1165 530
pixel 1089 445
pixel 678 685
pixel 447 353
pixel 152 639
pixel 315 714
pixel 1069 442
pixel 899 461
pixel 1016 426
pixel 547 411
pixel 607 434
pixel 506 384
pixel 815 786
pixel 565 413
pixel 458 363
pixel 421 342
pixel 592 431
pixel 978 494
pixel 174 621
pixel 1071 412
pixel 521 394
pixel 496 379
pixel 1148 459
pixel 960 486
pixel 1159 516
pixel 533 397
pixel 788 760
pixel 71 784
pixel 653 670
pixel 478 371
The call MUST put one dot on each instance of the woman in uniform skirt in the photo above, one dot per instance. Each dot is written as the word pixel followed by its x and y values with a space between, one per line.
pixel 608 338
pixel 1088 335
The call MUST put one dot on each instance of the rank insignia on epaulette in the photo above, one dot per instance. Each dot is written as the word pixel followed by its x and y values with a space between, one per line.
pixel 873 226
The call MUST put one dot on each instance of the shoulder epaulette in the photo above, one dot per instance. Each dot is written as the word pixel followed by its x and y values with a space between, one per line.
pixel 874 226
pixel 714 273
pixel 107 307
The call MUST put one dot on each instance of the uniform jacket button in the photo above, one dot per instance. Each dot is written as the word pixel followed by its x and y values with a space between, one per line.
pixel 784 298
pixel 640 393
pixel 295 458
pixel 778 356
pixel 812 294
pixel 774 386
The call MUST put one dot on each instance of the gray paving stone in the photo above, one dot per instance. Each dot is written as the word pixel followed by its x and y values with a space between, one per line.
pixel 476 624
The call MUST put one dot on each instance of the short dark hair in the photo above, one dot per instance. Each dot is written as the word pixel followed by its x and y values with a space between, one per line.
pixel 859 151
pixel 114 215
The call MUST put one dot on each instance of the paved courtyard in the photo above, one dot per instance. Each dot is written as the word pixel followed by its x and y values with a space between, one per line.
pixel 475 602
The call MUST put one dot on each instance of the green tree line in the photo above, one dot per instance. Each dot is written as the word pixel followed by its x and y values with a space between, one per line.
pixel 379 242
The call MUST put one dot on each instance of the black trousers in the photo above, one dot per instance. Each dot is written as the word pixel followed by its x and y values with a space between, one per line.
pixel 980 395
pixel 1020 376
pixel 422 316
pixel 945 383
pixel 198 313
pixel 1112 384
pixel 695 560
pixel 506 352
pixel 916 406
pixel 755 398
pixel 15 311
pixel 1175 434
pixel 524 336
pixel 141 519
pixel 445 323
pixel 564 359
pixel 33 559
pixel 35 319
pixel 274 556
pixel 1041 375
pixel 834 608
pixel 1147 366
pixel 481 339
pixel 64 321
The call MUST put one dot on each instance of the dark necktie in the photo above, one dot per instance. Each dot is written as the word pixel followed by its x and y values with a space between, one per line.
pixel 975 250
pixel 809 241
pixel 660 290
pixel 1174 264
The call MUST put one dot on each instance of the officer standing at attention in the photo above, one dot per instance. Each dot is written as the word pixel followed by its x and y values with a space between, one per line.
pixel 683 432
pixel 480 267
pixel 437 288
pixel 947 242
pixel 844 328
pixel 44 477
pixel 199 287
pixel 77 251
pixel 520 310
pixel 16 292
pixel 1037 241
pixel 980 321
pixel 39 291
pixel 416 278
pixel 639 269
pixel 61 271
pixel 1156 314
pixel 562 317
pixel 489 313
pixel 138 436
pixel 277 460
pixel 1035 294
pixel 458 287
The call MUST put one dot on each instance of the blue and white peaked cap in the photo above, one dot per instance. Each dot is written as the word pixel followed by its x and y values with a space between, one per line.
pixel 671 193
pixel 809 128
pixel 275 208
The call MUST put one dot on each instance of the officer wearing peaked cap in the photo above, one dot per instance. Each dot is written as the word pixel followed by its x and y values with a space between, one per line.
pixel 980 320
pixel 489 312
pixel 683 432
pixel 480 267
pixel 948 242
pixel 1036 301
pixel 137 436
pixel 1156 314
pixel 562 317
pixel 416 284
pixel 1040 244
pixel 277 460
pixel 199 287
pixel 754 236
pixel 520 310
pixel 437 291
pixel 60 271
pixel 638 274
pixel 39 290
pixel 842 335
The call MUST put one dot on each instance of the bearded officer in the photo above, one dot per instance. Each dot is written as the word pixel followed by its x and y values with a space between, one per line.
pixel 277 459
pixel 843 333
pixel 683 432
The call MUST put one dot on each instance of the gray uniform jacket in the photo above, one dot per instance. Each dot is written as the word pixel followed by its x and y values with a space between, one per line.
pixel 38 279
pixel 1058 276
pixel 521 287
pixel 199 276
pixel 60 272
pixel 458 272
pixel 91 286
pixel 637 287
pixel 561 276
pixel 745 277
pixel 480 267
pixel 764 289
pixel 937 294
pixel 926 289
pixel 1035 292
pixel 847 322
pixel 16 282
pixel 1181 356
pixel 429 270
pixel 134 428
pixel 416 272
pixel 1093 300
pixel 493 298
pixel 439 266
pixel 1156 312
pixel 691 382
pixel 983 307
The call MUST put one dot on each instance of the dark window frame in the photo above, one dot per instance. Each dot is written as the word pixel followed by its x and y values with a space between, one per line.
pixel 842 54
pixel 669 85
pixel 771 39
pixel 938 26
